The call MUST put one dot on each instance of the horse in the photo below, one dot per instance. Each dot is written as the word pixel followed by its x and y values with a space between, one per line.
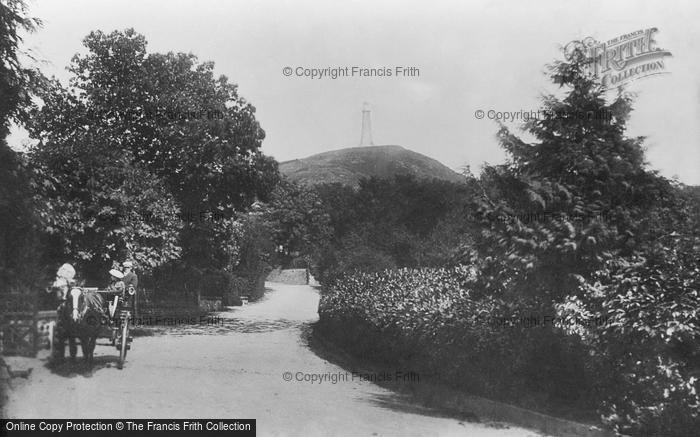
pixel 81 315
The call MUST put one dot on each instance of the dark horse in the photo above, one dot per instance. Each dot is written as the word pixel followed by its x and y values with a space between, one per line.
pixel 81 315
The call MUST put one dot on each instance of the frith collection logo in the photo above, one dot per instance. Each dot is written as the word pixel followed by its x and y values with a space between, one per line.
pixel 623 59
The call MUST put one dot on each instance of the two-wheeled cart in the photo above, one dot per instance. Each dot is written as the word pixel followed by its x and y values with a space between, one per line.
pixel 120 308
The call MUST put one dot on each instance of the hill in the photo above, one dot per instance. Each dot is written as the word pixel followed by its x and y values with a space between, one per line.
pixel 348 166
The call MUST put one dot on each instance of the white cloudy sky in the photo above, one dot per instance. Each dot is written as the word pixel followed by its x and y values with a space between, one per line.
pixel 471 55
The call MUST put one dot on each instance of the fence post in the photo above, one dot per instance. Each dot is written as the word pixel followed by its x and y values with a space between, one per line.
pixel 35 332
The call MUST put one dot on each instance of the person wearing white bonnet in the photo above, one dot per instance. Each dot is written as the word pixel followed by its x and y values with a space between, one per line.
pixel 67 272
pixel 65 278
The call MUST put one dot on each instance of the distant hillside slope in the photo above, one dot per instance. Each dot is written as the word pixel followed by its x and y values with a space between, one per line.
pixel 348 166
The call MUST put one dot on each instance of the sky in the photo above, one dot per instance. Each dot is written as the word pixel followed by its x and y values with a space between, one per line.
pixel 466 57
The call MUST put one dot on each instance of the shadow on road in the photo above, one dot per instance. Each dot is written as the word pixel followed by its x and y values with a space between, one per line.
pixel 69 368
pixel 399 400
pixel 407 404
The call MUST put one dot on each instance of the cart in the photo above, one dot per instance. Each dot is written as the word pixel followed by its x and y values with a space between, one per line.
pixel 120 308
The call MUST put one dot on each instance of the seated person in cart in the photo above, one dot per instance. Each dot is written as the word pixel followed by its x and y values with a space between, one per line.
pixel 116 283
pixel 131 282
pixel 116 288
pixel 123 288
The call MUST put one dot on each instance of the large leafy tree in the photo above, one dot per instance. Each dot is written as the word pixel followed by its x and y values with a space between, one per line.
pixel 176 118
pixel 98 207
pixel 147 153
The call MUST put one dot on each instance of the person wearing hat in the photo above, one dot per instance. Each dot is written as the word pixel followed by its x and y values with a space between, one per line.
pixel 116 283
pixel 131 282
pixel 65 279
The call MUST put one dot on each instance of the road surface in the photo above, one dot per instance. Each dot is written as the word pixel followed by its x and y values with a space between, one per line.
pixel 234 366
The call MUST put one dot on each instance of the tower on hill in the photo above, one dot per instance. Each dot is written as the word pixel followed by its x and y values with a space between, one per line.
pixel 366 137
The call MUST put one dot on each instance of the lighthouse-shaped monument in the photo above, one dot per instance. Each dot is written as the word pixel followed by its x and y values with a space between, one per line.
pixel 366 138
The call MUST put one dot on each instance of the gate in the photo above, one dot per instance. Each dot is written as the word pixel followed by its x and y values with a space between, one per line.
pixel 18 324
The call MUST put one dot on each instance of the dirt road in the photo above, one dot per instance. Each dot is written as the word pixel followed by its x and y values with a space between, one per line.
pixel 235 366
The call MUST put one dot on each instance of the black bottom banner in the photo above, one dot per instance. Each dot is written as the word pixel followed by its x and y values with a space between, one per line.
pixel 126 427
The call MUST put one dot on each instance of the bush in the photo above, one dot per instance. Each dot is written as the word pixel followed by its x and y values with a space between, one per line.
pixel 429 319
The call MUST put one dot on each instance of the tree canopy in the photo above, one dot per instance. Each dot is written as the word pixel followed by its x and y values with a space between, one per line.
pixel 145 154
pixel 575 224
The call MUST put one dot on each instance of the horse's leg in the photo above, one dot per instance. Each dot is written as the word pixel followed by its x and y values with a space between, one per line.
pixel 93 341
pixel 88 348
pixel 85 345
pixel 59 346
pixel 72 347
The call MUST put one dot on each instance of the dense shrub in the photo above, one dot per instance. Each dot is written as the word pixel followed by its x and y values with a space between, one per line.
pixel 429 319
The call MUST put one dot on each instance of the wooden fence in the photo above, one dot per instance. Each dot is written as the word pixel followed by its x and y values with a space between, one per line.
pixel 18 324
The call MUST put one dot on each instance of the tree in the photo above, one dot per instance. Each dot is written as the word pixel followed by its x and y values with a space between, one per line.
pixel 98 204
pixel 186 126
pixel 299 221
pixel 16 82
pixel 562 206
pixel 387 223
pixel 576 225
pixel 150 146
pixel 19 245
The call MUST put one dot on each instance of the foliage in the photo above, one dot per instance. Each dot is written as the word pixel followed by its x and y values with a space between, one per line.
pixel 17 82
pixel 176 118
pixel 298 218
pixel 101 207
pixel 428 319
pixel 573 226
pixel 146 155
pixel 20 249
pixel 256 250
pixel 612 239
pixel 399 222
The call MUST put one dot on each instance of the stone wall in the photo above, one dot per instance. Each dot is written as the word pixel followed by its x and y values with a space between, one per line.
pixel 289 276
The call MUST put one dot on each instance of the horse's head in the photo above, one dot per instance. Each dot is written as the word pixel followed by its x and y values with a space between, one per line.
pixel 75 295
pixel 83 302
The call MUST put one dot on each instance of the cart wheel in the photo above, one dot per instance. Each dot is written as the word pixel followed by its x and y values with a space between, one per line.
pixel 123 342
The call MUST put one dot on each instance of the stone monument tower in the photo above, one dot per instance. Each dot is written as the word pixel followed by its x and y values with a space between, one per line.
pixel 366 138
